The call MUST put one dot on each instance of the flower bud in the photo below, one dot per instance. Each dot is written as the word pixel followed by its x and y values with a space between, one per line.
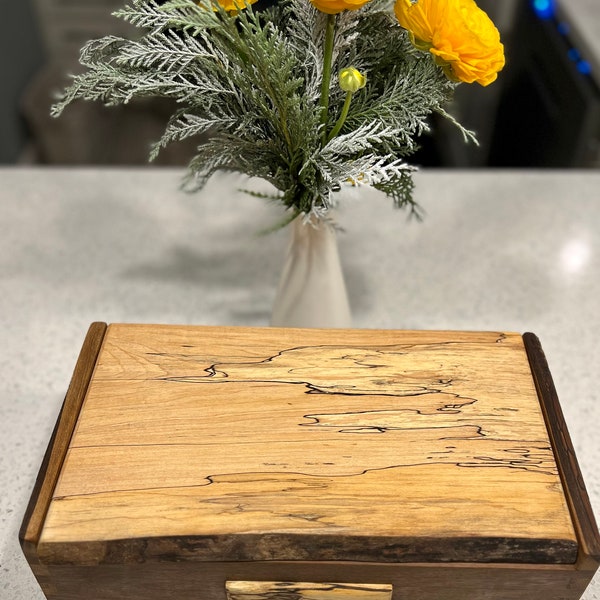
pixel 352 80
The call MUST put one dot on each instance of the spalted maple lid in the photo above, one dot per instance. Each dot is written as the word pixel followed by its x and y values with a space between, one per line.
pixel 227 444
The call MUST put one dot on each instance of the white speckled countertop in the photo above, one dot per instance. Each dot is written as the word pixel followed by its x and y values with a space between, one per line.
pixel 510 250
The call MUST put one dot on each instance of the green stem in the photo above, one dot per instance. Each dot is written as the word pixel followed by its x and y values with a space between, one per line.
pixel 340 122
pixel 327 58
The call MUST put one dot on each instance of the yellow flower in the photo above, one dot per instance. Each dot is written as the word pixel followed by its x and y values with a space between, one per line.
pixel 461 36
pixel 351 79
pixel 234 5
pixel 333 7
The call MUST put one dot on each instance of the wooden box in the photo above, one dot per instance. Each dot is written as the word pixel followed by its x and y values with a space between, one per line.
pixel 215 463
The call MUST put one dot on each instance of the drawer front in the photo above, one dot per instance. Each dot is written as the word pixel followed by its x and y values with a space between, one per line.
pixel 289 590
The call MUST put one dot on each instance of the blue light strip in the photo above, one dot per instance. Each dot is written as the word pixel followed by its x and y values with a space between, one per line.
pixel 546 11
pixel 584 67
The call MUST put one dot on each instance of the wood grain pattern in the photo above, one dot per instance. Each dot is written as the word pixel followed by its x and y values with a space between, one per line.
pixel 200 443
pixel 573 484
pixel 278 590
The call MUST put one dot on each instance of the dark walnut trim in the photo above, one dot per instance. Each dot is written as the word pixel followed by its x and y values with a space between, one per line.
pixel 41 496
pixel 206 581
pixel 573 484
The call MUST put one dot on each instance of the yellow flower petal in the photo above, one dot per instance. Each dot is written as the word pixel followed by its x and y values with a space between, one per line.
pixel 333 7
pixel 462 38
pixel 234 5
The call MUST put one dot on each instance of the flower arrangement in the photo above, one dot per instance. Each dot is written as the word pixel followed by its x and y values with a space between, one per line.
pixel 309 95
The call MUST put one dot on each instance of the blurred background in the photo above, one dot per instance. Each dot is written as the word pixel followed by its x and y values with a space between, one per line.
pixel 544 111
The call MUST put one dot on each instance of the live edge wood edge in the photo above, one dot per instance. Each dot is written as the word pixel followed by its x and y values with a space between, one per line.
pixel 570 473
pixel 33 521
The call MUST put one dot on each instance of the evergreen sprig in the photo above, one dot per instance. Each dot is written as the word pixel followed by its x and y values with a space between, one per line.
pixel 248 85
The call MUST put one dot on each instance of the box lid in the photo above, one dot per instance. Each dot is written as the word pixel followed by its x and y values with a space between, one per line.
pixel 216 443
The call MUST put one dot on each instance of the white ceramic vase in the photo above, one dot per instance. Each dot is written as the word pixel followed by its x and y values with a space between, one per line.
pixel 312 291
